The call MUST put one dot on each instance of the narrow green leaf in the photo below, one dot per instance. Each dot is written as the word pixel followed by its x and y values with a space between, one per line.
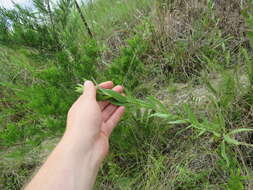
pixel 141 103
pixel 178 122
pixel 158 102
pixel 192 118
pixel 235 142
pixel 102 97
pixel 115 95
pixel 223 152
pixel 181 131
pixel 161 115
pixel 117 103
pixel 240 131
pixel 210 87
pixel 230 140
pixel 79 88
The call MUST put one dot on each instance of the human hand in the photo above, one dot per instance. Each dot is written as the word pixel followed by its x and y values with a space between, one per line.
pixel 75 161
pixel 90 123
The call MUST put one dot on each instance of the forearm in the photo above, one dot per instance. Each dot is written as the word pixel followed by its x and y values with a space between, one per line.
pixel 68 167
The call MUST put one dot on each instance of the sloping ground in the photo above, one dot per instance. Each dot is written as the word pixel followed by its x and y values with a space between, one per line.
pixel 146 152
pixel 16 62
pixel 17 65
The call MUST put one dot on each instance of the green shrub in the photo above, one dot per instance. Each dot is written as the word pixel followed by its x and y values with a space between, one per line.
pixel 128 69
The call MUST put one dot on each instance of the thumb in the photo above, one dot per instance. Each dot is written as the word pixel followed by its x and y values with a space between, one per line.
pixel 89 90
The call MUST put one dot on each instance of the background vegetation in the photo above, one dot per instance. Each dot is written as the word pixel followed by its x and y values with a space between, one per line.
pixel 193 59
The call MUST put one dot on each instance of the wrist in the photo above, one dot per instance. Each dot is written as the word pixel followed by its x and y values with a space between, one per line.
pixel 80 149
pixel 68 163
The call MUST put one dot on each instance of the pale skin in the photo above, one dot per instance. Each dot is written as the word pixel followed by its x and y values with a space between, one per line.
pixel 75 161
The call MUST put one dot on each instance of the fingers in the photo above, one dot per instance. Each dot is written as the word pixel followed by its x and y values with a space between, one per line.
pixel 108 111
pixel 107 85
pixel 113 121
pixel 103 104
pixel 118 89
pixel 89 90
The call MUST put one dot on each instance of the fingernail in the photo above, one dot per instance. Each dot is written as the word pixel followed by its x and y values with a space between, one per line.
pixel 88 83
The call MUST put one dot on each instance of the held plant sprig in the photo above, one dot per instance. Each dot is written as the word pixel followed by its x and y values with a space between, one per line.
pixel 151 103
pixel 116 98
